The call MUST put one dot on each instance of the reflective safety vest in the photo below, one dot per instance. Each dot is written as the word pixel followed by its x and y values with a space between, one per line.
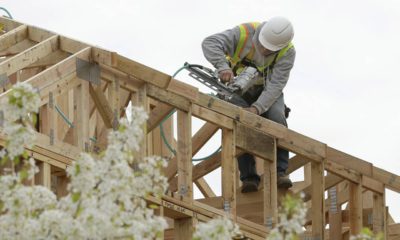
pixel 238 62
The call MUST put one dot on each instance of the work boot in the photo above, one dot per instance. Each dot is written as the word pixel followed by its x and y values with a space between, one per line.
pixel 284 181
pixel 249 186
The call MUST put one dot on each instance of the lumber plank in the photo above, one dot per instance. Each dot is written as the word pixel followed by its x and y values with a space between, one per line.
pixel 349 161
pixel 199 139
pixel 140 99
pixel 168 97
pixel 184 156
pixel 43 177
pixel 157 115
pixel 204 188
pixel 228 171
pixel 183 89
pixel 29 56
pixel 51 59
pixel 379 223
pixel 38 34
pixel 391 180
pixel 270 192
pixel 335 214
pixel 318 213
pixel 59 87
pixel 13 37
pixel 102 105
pixel 355 207
pixel 141 71
pixel 81 116
pixel 8 24
pixel 56 72
pixel 254 142
pixel 15 49
pixel 200 170
pixel 127 81
pixel 211 116
pixel 71 46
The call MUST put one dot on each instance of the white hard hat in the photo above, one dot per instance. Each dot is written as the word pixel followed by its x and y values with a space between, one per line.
pixel 276 33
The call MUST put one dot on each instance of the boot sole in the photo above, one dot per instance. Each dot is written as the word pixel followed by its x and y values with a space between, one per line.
pixel 249 188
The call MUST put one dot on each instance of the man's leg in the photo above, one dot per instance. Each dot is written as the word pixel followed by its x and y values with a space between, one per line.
pixel 276 113
pixel 248 173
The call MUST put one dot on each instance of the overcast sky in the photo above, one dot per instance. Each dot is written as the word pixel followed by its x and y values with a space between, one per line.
pixel 343 89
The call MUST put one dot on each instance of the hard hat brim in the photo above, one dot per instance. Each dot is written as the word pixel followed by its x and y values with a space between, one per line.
pixel 267 45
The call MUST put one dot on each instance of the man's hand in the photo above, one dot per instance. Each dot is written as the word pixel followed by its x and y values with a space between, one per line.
pixel 226 75
pixel 252 110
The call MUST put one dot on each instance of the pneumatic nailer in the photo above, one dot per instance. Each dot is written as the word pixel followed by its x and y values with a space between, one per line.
pixel 233 91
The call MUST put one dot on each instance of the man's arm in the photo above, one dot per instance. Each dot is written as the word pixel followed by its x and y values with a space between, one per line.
pixel 278 80
pixel 216 47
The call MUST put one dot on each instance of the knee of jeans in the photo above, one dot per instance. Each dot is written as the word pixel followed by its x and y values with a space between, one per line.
pixel 277 115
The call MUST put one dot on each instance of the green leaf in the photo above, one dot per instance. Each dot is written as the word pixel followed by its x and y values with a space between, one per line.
pixel 23 174
pixel 25 154
pixel 4 160
pixel 75 196
pixel 17 160
pixel 34 119
pixel 77 169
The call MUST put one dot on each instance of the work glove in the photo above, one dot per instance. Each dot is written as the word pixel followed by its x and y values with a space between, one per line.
pixel 225 75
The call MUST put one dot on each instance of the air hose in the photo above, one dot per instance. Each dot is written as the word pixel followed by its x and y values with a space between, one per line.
pixel 166 141
pixel 8 13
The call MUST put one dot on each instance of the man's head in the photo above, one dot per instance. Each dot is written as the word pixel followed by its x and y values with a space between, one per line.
pixel 275 34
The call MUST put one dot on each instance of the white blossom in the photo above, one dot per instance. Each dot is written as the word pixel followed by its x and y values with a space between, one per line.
pixel 107 193
pixel 292 217
pixel 217 229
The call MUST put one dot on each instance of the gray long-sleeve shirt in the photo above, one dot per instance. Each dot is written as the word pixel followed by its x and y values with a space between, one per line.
pixel 216 47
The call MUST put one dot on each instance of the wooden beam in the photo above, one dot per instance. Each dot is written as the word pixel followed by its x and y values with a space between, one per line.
pixel 335 214
pixel 13 37
pixel 38 34
pixel 56 72
pixel 140 99
pixel 184 156
pixel 228 171
pixel 379 223
pixel 102 105
pixel 391 180
pixel 184 227
pixel 270 193
pixel 29 56
pixel 318 211
pixel 168 97
pixel 211 116
pixel 8 23
pixel 199 139
pixel 81 116
pixel 296 162
pixel 141 71
pixel 349 161
pixel 157 115
pixel 183 89
pixel 200 170
pixel 255 142
pixel 355 207
pixel 43 177
pixel 204 188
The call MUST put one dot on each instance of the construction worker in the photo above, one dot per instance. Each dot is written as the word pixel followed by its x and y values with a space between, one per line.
pixel 266 46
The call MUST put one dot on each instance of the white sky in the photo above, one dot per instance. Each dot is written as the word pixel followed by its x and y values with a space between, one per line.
pixel 343 90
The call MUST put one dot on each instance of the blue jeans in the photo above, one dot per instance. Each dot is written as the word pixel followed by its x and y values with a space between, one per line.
pixel 246 162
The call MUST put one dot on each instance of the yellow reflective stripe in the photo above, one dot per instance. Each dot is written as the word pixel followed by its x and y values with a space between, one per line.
pixel 239 47
pixel 244 33
pixel 281 53
pixel 284 50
